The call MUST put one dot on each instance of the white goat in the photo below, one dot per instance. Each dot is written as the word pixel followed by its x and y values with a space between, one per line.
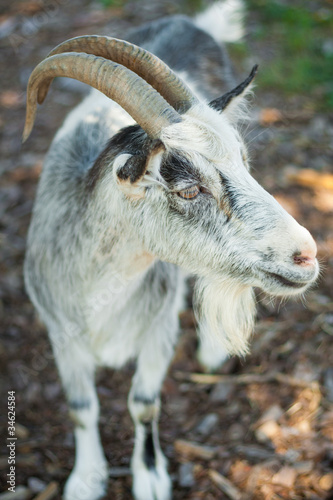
pixel 120 211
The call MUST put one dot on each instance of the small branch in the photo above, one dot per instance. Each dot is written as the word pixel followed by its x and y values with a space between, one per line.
pixel 50 491
pixel 225 485
pixel 195 450
pixel 203 378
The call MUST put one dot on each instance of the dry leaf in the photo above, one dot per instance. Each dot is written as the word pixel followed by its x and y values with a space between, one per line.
pixel 11 98
pixel 239 472
pixel 28 8
pixel 267 431
pixel 269 116
pixel 285 477
pixel 310 178
pixel 323 200
pixel 326 482
pixel 24 174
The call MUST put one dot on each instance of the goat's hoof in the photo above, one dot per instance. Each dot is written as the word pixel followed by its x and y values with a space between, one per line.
pixel 151 484
pixel 91 486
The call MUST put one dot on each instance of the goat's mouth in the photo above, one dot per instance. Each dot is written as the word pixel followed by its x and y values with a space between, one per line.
pixel 286 283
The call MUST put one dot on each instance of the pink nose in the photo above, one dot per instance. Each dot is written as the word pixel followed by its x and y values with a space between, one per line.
pixel 307 257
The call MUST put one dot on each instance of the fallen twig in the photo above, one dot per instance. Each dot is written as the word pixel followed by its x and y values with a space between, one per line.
pixel 225 485
pixel 195 450
pixel 203 378
pixel 50 491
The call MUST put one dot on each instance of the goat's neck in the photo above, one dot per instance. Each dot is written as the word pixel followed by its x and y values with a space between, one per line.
pixel 117 246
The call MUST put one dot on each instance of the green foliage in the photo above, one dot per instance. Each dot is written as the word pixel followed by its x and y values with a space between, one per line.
pixel 193 6
pixel 112 3
pixel 296 35
pixel 189 7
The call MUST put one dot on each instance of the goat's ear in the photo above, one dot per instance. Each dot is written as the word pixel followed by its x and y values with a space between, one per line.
pixel 130 170
pixel 232 102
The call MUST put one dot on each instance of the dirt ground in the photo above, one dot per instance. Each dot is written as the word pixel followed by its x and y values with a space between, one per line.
pixel 261 428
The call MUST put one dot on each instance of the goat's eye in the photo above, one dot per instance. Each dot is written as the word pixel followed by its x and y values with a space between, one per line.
pixel 189 193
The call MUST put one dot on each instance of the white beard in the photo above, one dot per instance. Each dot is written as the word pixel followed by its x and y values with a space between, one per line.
pixel 225 310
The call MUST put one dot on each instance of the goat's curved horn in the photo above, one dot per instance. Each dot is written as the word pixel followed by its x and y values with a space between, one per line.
pixel 148 108
pixel 135 58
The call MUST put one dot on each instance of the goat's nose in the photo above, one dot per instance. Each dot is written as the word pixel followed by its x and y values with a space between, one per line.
pixel 306 256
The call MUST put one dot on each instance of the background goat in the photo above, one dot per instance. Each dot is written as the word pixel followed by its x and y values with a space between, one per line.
pixel 120 211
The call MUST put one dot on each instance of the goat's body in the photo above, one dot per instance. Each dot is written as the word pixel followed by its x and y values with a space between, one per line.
pixel 103 246
pixel 98 309
pixel 100 294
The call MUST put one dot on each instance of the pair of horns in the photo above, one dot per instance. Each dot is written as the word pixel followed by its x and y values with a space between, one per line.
pixel 137 80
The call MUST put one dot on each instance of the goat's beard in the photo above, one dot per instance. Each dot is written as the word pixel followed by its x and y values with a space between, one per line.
pixel 225 310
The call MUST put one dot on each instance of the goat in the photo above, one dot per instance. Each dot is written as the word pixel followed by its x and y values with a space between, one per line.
pixel 148 180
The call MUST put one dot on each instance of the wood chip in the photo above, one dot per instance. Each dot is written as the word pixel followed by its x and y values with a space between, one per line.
pixel 50 491
pixel 267 431
pixel 274 412
pixel 225 485
pixel 285 477
pixel 195 450
pixel 21 431
pixel 326 482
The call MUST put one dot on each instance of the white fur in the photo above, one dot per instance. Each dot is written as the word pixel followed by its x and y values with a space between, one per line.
pixel 211 354
pixel 149 484
pixel 88 480
pixel 223 20
pixel 226 311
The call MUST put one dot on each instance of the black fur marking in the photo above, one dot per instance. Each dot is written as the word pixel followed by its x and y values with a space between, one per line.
pixel 149 448
pixel 229 193
pixel 222 102
pixel 133 169
pixel 129 140
pixel 175 168
pixel 144 399
pixel 77 405
pixel 269 255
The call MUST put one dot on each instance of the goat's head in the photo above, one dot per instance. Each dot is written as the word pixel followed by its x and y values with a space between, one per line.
pixel 186 179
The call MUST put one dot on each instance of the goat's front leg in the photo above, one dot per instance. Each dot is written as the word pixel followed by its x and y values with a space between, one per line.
pixel 149 466
pixel 88 479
